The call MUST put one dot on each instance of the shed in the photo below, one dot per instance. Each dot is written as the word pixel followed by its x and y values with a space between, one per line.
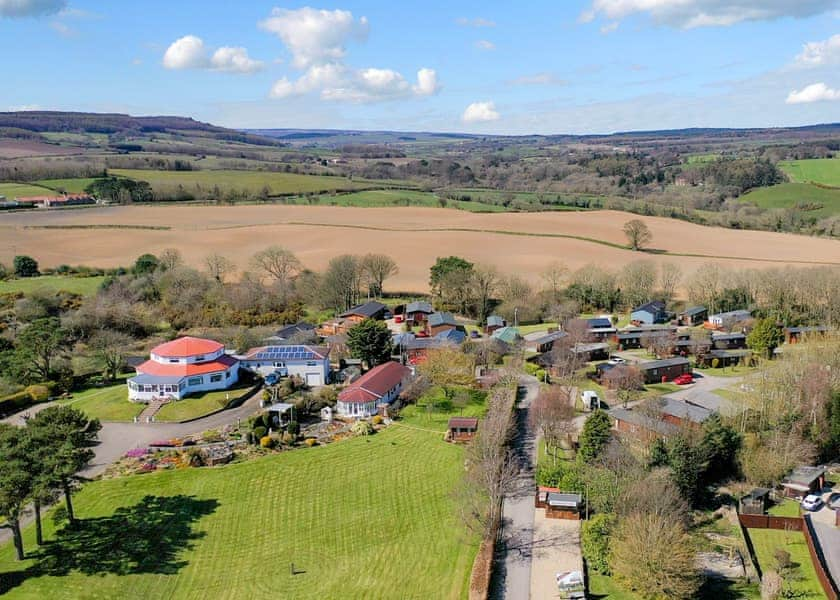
pixel 755 503
pixel 804 480
pixel 563 505
pixel 461 429
pixel 494 322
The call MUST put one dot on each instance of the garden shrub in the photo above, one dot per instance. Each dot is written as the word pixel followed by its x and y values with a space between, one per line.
pixel 377 420
pixel 362 428
pixel 310 442
pixel 38 393
pixel 293 427
pixel 259 432
pixel 595 542
pixel 288 438
pixel 267 441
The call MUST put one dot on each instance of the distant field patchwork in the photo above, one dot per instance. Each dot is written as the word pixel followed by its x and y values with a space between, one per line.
pixel 825 171
pixel 86 286
pixel 15 190
pixel 71 186
pixel 815 201
pixel 251 181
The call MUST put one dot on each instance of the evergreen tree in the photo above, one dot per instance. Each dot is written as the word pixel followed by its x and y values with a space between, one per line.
pixel 370 341
pixel 15 480
pixel 596 433
pixel 765 337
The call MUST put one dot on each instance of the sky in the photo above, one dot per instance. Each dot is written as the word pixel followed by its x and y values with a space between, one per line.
pixel 538 66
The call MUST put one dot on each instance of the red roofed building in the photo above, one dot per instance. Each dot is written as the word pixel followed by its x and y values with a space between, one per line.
pixel 181 367
pixel 379 386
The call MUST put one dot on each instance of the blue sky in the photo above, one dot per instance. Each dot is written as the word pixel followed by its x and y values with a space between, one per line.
pixel 592 66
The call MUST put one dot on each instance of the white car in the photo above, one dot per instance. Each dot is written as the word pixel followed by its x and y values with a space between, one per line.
pixel 617 360
pixel 812 502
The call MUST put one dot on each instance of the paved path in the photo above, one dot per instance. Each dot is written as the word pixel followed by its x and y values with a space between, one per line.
pixel 512 579
pixel 115 439
pixel 556 549
pixel 828 539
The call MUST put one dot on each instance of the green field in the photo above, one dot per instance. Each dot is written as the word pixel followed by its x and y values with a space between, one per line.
pixel 106 403
pixel 524 200
pixel 71 186
pixel 814 201
pixel 251 181
pixel 386 198
pixel 201 404
pixel 86 286
pixel 766 541
pixel 14 190
pixel 371 517
pixel 817 170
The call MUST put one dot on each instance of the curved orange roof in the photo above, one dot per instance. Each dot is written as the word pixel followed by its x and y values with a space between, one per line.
pixel 187 346
pixel 151 367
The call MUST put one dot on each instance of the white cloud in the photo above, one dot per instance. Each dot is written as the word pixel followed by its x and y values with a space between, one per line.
pixel 30 8
pixel 817 54
pixel 62 28
pixel 476 22
pixel 609 27
pixel 816 92
pixel 539 79
pixel 336 82
pixel 485 45
pixel 234 60
pixel 707 13
pixel 315 36
pixel 189 52
pixel 480 112
pixel 427 83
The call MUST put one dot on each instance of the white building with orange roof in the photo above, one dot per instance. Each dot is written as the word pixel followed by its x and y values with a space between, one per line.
pixel 182 367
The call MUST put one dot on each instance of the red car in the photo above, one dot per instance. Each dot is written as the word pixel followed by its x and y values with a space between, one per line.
pixel 684 379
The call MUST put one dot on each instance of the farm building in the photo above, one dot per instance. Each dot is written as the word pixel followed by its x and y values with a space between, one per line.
pixel 494 322
pixel 726 320
pixel 377 388
pixel 729 341
pixel 694 315
pixel 542 341
pixel 418 312
pixel 657 371
pixel 310 363
pixel 795 334
pixel 461 429
pixel 441 321
pixel 803 481
pixel 650 313
pixel 181 367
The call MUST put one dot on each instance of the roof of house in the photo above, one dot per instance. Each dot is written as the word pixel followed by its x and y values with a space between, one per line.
pixel 506 334
pixel 581 347
pixel 807 329
pixel 757 493
pixel 694 311
pixel 368 310
pixel 544 337
pixel 803 477
pixel 187 346
pixel 454 336
pixel 732 314
pixel 463 423
pixel 653 307
pixel 442 318
pixel 419 306
pixel 713 402
pixel 289 353
pixel 641 420
pixel 682 410
pixel 152 367
pixel 374 384
pixel 734 353
pixel 662 364
pixel 495 321
pixel 288 331
pixel 564 500
pixel 599 323
pixel 728 337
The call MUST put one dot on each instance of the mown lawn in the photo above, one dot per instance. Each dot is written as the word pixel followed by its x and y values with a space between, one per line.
pixel 816 201
pixel 252 181
pixel 432 411
pixel 14 190
pixel 71 186
pixel 86 286
pixel 201 404
pixel 785 508
pixel 818 170
pixel 766 541
pixel 108 403
pixel 371 517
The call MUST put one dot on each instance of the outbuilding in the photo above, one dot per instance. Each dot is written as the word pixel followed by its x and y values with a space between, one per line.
pixel 461 429
pixel 694 315
pixel 803 481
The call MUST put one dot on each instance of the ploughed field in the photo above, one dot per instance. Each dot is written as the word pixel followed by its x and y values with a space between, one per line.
pixel 371 517
pixel 523 243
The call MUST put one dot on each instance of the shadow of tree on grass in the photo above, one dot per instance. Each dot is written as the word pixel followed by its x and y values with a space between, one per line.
pixel 148 537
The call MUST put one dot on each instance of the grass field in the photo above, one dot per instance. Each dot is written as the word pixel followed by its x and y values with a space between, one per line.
pixel 816 201
pixel 106 403
pixel 766 541
pixel 252 181
pixel 14 190
pixel 818 170
pixel 419 415
pixel 372 517
pixel 385 198
pixel 200 404
pixel 86 286
pixel 605 588
pixel 71 186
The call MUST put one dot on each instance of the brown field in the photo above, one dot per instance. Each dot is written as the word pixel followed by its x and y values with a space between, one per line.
pixel 20 148
pixel 413 236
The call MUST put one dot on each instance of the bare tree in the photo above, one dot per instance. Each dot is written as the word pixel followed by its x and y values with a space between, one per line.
pixel 279 263
pixel 484 282
pixel 670 275
pixel 637 281
pixel 627 381
pixel 377 268
pixel 170 258
pixel 553 413
pixel 341 282
pixel 638 234
pixel 109 348
pixel 218 266
pixel 553 276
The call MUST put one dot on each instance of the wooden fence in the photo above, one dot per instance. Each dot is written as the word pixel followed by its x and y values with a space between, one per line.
pixel 771 522
pixel 829 586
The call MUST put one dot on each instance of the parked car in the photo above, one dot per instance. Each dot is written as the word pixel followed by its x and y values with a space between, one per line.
pixel 684 379
pixel 834 501
pixel 474 334
pixel 271 378
pixel 617 360
pixel 812 502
